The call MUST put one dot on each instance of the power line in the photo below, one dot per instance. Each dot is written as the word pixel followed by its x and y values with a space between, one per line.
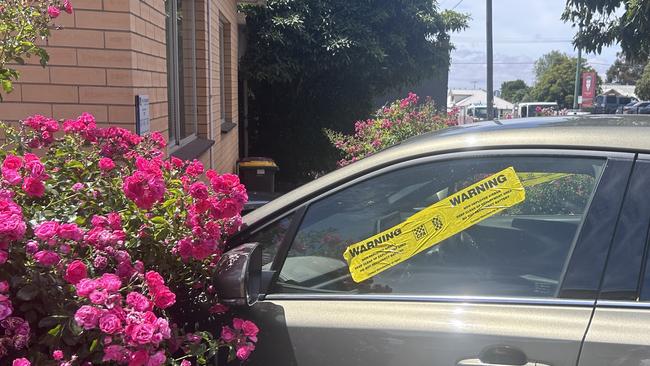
pixel 458 3
pixel 513 63
pixel 515 41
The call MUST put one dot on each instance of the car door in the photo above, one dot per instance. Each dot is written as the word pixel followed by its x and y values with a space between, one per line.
pixel 517 287
pixel 618 333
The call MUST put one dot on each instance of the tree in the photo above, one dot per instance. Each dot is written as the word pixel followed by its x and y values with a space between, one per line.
pixel 314 64
pixel 557 83
pixel 546 61
pixel 22 24
pixel 514 91
pixel 606 22
pixel 642 89
pixel 624 71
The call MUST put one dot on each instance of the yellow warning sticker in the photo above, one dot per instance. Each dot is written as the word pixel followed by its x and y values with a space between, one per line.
pixel 434 224
pixel 533 179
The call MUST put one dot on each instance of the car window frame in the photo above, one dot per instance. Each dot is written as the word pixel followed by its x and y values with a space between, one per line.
pixel 300 210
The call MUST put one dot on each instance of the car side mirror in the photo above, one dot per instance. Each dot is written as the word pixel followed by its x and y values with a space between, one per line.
pixel 238 275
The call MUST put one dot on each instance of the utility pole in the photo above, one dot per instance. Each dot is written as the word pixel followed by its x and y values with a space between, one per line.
pixel 490 87
pixel 577 81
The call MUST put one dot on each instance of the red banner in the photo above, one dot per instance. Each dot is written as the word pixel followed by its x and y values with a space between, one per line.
pixel 588 89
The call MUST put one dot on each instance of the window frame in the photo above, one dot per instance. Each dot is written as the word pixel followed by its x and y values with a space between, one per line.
pixel 174 82
pixel 300 211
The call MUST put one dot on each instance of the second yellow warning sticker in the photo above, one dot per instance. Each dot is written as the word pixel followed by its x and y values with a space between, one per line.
pixel 434 224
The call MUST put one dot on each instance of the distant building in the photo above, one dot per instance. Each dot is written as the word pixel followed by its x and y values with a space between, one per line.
pixel 619 90
pixel 472 105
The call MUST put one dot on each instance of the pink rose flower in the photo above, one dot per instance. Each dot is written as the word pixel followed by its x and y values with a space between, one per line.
pixel 163 298
pixel 227 334
pixel 12 162
pixel 110 324
pixel 110 282
pixel 53 11
pixel 21 362
pixel 12 225
pixel 142 333
pixel 144 189
pixel 47 258
pixel 186 363
pixel 139 358
pixel 106 164
pixel 98 297
pixel 88 316
pixel 243 352
pixel 36 170
pixel 218 309
pixel 199 191
pixel 12 176
pixel 33 187
pixel 67 6
pixel 154 279
pixel 116 353
pixel 194 169
pixel 76 272
pixel 85 286
pixel 5 308
pixel 77 187
pixel 70 231
pixel 138 301
pixel 31 247
pixel 4 287
pixel 46 230
pixel 114 220
pixel 57 354
pixel 249 328
pixel 157 359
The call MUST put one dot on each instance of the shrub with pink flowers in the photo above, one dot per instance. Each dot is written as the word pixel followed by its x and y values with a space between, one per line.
pixel 108 249
pixel 402 119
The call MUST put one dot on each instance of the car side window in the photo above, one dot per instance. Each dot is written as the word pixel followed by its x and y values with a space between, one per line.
pixel 270 238
pixel 520 251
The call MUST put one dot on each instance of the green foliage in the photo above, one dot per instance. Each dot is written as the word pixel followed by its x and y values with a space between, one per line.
pixel 557 82
pixel 390 125
pixel 547 61
pixel 514 91
pixel 22 24
pixel 624 71
pixel 314 64
pixel 607 22
pixel 642 89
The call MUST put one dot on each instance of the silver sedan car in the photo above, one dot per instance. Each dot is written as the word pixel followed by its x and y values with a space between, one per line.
pixel 521 242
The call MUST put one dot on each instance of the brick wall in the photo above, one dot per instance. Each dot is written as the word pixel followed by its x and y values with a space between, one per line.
pixel 227 146
pixel 112 50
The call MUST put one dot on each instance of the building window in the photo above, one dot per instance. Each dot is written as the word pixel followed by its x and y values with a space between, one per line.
pixel 225 76
pixel 181 71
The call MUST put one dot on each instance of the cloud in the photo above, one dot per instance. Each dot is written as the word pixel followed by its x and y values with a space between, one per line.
pixel 523 30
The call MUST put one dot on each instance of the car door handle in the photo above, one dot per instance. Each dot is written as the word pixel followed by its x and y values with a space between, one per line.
pixel 477 362
pixel 500 355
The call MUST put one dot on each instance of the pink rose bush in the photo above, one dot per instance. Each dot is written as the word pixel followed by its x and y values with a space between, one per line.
pixel 402 119
pixel 108 249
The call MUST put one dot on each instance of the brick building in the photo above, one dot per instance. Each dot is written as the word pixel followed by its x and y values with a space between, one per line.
pixel 180 54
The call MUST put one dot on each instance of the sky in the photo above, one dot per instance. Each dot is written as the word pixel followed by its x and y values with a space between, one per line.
pixel 523 30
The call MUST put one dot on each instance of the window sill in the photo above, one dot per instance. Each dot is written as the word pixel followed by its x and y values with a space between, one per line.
pixel 227 127
pixel 193 149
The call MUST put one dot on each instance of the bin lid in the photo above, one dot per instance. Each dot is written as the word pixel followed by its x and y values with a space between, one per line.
pixel 257 162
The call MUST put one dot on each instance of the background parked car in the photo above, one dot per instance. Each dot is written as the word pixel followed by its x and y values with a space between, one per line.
pixel 609 104
pixel 634 107
pixel 643 108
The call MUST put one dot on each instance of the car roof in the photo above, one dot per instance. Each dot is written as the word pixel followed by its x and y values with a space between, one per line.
pixel 624 133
